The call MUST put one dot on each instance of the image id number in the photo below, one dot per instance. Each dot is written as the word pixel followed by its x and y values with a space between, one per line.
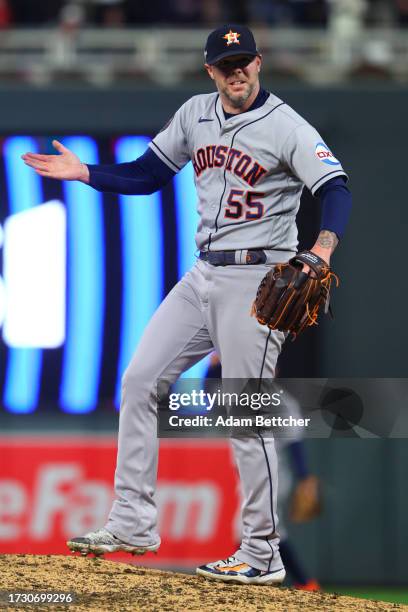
pixel 15 598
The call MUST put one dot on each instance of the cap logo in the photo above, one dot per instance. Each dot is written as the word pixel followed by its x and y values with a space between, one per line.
pixel 232 37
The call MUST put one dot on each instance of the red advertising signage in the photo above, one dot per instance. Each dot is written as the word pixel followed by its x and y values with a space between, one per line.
pixel 54 487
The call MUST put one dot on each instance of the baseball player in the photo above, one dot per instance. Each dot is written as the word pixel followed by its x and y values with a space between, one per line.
pixel 252 155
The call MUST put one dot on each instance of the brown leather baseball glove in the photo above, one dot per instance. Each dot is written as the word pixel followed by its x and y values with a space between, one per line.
pixel 288 299
pixel 306 501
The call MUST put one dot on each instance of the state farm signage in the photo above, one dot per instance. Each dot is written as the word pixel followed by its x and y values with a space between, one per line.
pixel 51 490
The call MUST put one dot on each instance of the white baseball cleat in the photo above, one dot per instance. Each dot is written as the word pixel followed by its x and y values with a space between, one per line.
pixel 233 570
pixel 102 541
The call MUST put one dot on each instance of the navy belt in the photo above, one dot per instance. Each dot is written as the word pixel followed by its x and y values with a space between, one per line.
pixel 230 258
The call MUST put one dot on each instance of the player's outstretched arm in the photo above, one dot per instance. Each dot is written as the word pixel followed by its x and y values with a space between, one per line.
pixel 66 166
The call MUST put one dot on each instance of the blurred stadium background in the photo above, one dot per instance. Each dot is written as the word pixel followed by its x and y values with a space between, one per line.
pixel 81 272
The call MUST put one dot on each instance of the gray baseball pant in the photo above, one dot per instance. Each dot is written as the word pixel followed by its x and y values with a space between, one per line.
pixel 208 309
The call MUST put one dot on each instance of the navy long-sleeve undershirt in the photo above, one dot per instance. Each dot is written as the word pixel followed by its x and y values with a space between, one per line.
pixel 336 205
pixel 297 453
pixel 149 173
pixel 143 176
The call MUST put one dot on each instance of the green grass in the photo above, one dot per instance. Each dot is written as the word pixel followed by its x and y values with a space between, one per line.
pixel 391 594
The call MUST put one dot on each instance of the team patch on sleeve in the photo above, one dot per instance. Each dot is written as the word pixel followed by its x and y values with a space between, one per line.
pixel 323 153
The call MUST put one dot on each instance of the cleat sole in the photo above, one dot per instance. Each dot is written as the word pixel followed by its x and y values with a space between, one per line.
pixel 269 580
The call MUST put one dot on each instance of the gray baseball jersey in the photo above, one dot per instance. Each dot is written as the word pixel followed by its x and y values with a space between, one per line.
pixel 249 170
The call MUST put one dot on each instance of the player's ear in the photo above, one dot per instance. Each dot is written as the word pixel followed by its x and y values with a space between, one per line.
pixel 259 62
pixel 209 71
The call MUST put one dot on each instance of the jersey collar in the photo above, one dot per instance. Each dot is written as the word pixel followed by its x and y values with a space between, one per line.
pixel 259 101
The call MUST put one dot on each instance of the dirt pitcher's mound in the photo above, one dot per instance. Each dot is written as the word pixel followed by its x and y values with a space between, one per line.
pixel 106 585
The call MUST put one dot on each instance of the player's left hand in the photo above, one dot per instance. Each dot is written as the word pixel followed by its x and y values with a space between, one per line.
pixel 320 252
pixel 288 299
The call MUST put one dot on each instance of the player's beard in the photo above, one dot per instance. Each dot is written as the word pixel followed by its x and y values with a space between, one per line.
pixel 238 100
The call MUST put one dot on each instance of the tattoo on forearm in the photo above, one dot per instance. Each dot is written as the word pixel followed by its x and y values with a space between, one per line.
pixel 327 240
